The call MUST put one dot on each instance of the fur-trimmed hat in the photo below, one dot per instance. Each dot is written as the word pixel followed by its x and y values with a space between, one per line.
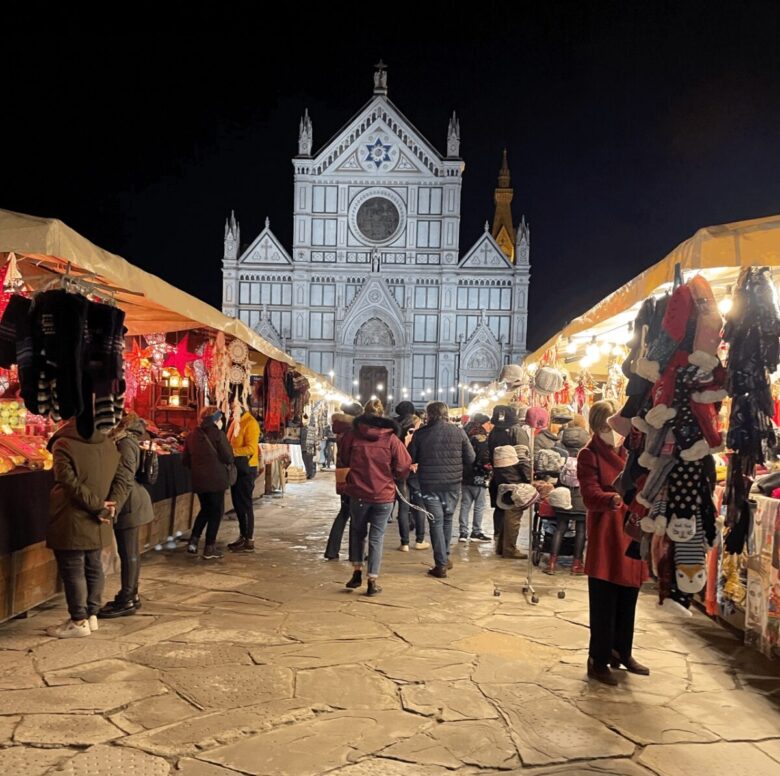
pixel 537 417
pixel 516 496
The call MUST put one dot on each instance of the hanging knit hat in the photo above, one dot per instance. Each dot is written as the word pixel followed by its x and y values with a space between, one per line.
pixel 537 417
pixel 560 414
pixel 511 374
pixel 505 455
pixel 708 325
pixel 516 496
pixel 548 380
pixel 560 498
pixel 522 409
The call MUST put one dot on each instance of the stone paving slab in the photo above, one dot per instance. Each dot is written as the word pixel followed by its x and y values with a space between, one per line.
pixel 111 670
pixel 65 729
pixel 178 655
pixel 227 687
pixel 215 729
pixel 207 580
pixel 607 767
pixel 326 653
pixel 24 761
pixel 348 687
pixel 163 629
pixel 377 766
pixel 189 767
pixel 545 630
pixel 77 698
pixel 447 701
pixel 420 665
pixel 331 626
pixel 734 759
pixel 61 653
pixel 772 748
pixel 440 636
pixel 7 727
pixel 232 600
pixel 17 671
pixel 316 746
pixel 475 743
pixel 114 761
pixel 547 729
pixel 153 713
pixel 663 726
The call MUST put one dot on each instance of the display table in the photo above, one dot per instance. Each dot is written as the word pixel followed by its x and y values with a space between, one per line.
pixel 28 572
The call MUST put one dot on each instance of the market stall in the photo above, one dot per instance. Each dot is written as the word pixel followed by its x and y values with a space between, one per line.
pixel 689 349
pixel 177 354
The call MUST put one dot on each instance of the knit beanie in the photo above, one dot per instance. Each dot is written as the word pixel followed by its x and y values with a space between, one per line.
pixel 537 417
pixel 404 408
pixel 505 455
pixel 479 419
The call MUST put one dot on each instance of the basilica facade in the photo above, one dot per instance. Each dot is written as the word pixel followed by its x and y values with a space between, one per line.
pixel 375 288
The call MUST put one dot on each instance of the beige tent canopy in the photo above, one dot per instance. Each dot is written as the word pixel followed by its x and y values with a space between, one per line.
pixel 717 252
pixel 44 246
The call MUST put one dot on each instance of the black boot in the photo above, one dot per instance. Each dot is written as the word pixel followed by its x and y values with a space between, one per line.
pixel 356 581
pixel 373 588
pixel 116 608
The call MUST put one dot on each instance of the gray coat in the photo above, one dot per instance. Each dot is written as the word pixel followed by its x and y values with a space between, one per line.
pixel 133 503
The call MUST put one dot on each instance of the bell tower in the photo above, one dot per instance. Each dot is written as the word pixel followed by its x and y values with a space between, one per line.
pixel 503 231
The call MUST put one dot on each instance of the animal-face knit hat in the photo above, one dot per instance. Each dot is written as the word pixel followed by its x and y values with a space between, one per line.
pixel 537 418
pixel 505 455
pixel 516 496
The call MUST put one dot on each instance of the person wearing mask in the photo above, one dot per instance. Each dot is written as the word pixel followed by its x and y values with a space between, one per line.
pixel 80 516
pixel 341 423
pixel 409 421
pixel 209 457
pixel 376 459
pixel 573 438
pixel 244 437
pixel 509 469
pixel 133 509
pixel 475 479
pixel 614 578
pixel 442 452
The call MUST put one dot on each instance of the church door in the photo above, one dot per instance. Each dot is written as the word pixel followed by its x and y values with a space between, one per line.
pixel 373 382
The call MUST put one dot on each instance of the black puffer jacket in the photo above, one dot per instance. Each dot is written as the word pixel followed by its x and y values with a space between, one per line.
pixel 443 452
pixel 506 429
pixel 208 462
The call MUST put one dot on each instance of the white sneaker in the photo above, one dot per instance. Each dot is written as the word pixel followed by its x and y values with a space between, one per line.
pixel 404 548
pixel 69 630
pixel 93 623
pixel 422 545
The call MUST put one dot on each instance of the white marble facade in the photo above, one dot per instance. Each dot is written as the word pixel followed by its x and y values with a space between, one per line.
pixel 375 287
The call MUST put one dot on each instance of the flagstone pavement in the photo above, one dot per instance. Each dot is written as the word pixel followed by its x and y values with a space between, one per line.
pixel 266 664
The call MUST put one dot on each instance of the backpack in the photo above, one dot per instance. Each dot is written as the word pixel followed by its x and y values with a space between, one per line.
pixel 149 466
pixel 568 475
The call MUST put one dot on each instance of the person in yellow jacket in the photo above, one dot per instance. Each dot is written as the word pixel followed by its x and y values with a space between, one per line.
pixel 244 436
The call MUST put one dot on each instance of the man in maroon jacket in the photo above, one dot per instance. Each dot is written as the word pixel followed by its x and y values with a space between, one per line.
pixel 376 458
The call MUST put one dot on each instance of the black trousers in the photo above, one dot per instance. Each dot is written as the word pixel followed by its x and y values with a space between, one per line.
pixel 242 500
pixel 127 547
pixel 82 577
pixel 579 537
pixel 498 530
pixel 612 611
pixel 212 507
pixel 309 464
pixel 333 547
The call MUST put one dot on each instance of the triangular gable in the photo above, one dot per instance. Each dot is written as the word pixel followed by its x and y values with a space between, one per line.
pixel 266 249
pixel 268 331
pixel 481 353
pixel 404 144
pixel 373 300
pixel 485 254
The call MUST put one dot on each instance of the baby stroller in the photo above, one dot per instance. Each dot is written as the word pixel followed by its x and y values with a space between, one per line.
pixel 542 532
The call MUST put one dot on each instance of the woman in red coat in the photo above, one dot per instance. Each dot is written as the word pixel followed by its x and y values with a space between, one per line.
pixel 613 578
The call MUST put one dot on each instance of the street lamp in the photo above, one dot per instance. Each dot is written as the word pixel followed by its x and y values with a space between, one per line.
pixel 354 382
pixel 380 387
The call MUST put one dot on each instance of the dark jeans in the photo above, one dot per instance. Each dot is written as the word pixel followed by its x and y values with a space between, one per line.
pixel 82 577
pixel 406 514
pixel 242 500
pixel 498 529
pixel 333 547
pixel 212 507
pixel 612 610
pixel 579 537
pixel 309 465
pixel 368 519
pixel 127 547
pixel 441 504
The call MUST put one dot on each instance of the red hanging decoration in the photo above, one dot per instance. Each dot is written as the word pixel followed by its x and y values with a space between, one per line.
pixel 181 356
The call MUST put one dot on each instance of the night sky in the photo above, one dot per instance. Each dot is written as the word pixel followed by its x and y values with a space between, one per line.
pixel 629 125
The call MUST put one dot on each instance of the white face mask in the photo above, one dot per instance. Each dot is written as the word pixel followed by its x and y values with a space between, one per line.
pixel 611 437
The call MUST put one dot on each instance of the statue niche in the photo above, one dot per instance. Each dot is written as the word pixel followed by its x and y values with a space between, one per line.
pixel 374 333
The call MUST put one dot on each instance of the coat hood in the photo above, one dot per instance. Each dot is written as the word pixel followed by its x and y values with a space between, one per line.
pixel 373 427
pixel 340 422
pixel 69 431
